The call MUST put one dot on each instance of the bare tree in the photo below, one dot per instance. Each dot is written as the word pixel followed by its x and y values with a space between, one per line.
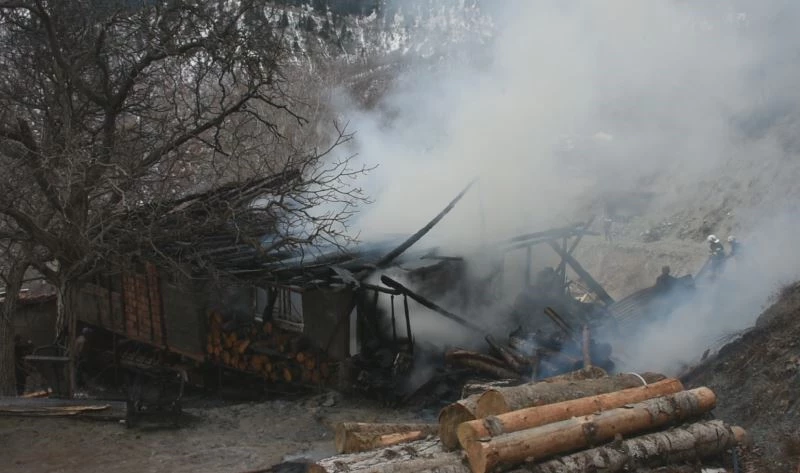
pixel 126 130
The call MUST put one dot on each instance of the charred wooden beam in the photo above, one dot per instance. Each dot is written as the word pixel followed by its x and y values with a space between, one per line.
pixel 583 274
pixel 430 304
pixel 562 267
pixel 386 260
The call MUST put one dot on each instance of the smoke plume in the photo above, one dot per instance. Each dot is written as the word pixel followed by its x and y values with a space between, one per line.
pixel 692 101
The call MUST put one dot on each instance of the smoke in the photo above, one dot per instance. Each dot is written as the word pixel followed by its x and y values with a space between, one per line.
pixel 724 309
pixel 574 99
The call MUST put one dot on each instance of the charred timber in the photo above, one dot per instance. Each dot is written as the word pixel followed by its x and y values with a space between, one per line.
pixel 430 304
pixel 481 363
pixel 583 274
pixel 505 354
pixel 386 260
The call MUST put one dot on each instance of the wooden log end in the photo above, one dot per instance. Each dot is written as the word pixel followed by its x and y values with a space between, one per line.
pixel 449 419
pixel 740 435
pixel 340 437
pixel 479 461
pixel 491 403
pixel 706 399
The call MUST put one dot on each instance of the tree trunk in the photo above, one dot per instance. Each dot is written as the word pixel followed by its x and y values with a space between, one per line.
pixel 415 457
pixel 8 380
pixel 684 444
pixel 13 279
pixel 502 400
pixel 530 417
pixel 577 433
pixel 465 410
pixel 67 324
pixel 358 437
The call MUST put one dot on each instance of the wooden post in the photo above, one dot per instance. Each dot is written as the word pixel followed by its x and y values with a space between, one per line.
pixel 587 357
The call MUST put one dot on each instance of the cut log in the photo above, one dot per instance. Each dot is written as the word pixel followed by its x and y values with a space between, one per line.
pixel 424 456
pixel 358 436
pixel 685 444
pixel 465 409
pixel 530 417
pixel 452 416
pixel 579 375
pixel 545 441
pixel 480 363
pixel 481 386
pixel 506 355
pixel 502 400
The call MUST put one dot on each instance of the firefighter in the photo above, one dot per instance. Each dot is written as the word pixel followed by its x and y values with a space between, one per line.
pixel 715 246
pixel 717 253
pixel 607 223
pixel 734 244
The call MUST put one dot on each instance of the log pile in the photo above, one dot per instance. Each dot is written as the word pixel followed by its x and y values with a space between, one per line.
pixel 609 423
pixel 265 350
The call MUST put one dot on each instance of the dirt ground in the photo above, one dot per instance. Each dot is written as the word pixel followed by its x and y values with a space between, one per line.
pixel 757 382
pixel 221 438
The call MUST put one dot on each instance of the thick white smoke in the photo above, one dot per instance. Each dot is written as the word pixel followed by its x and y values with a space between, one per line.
pixel 688 100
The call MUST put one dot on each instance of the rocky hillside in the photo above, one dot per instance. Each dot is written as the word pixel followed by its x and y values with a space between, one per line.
pixel 756 379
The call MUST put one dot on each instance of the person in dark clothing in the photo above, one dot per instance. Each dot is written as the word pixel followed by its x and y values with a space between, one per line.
pixel 715 247
pixel 665 281
pixel 735 246
pixel 607 222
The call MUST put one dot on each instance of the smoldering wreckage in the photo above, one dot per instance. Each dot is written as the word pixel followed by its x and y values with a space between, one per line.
pixel 539 393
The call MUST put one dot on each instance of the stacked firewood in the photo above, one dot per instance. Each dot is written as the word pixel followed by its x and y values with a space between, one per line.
pixel 276 354
pixel 627 422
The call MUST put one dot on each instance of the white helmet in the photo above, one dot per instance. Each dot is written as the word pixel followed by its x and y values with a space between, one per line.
pixel 713 239
pixel 731 239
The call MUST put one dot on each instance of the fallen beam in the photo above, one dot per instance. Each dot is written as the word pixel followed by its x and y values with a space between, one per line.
pixel 389 257
pixel 583 274
pixel 548 440
pixel 431 305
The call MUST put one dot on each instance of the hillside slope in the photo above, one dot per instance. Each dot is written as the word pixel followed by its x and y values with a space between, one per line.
pixel 756 379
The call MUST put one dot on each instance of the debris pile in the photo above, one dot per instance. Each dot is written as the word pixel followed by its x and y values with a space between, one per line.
pixel 266 350
pixel 583 421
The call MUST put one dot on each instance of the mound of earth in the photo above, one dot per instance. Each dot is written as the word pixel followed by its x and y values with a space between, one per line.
pixel 757 381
